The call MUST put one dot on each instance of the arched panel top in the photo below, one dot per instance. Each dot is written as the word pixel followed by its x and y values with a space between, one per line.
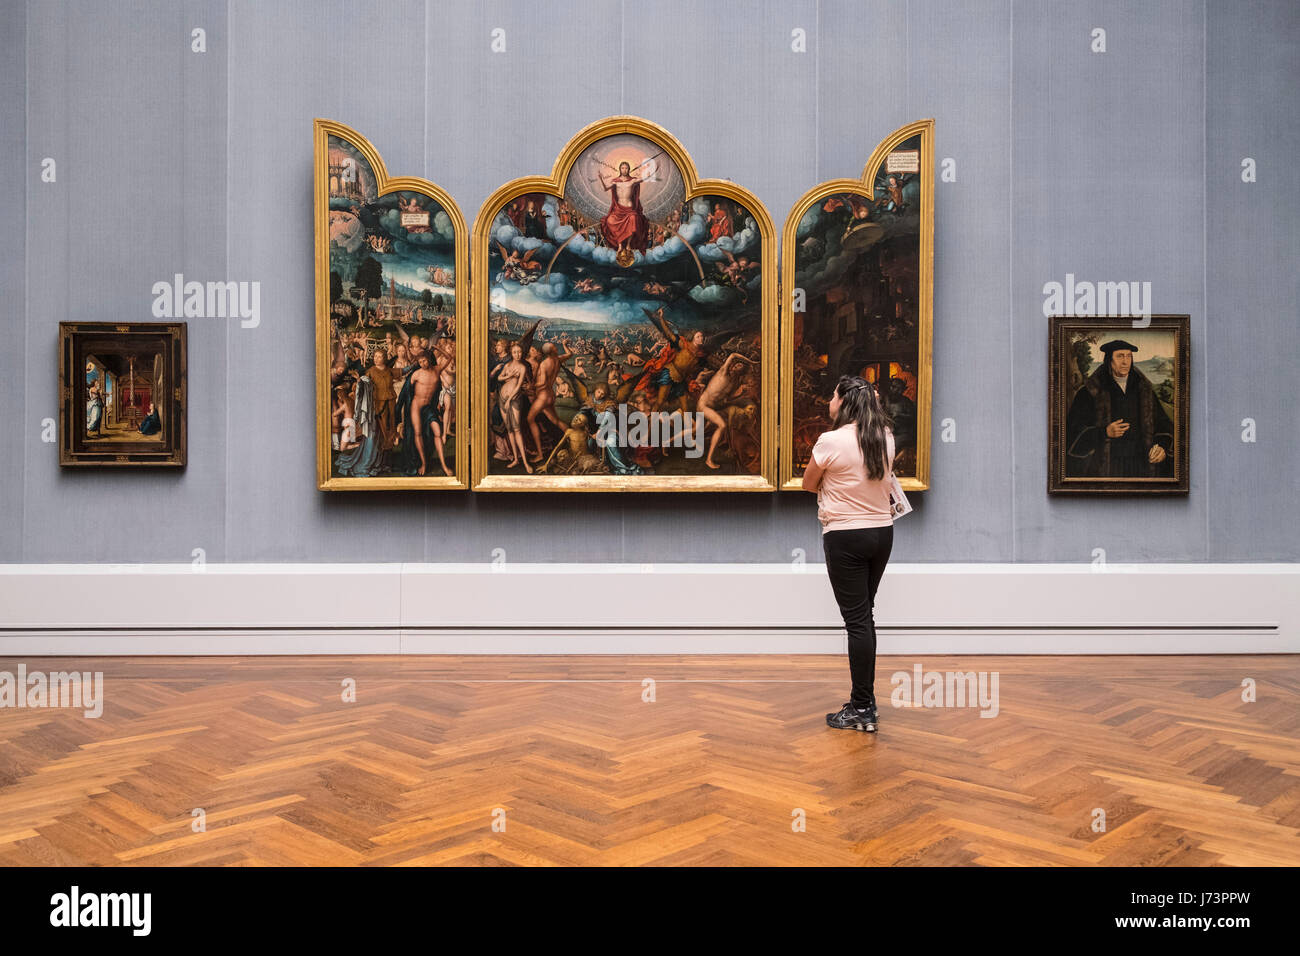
pixel 557 183
pixel 865 186
pixel 385 183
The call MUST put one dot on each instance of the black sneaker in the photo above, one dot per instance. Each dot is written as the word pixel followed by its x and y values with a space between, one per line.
pixel 850 718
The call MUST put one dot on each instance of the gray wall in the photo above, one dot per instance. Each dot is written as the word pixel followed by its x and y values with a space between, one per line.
pixel 1117 166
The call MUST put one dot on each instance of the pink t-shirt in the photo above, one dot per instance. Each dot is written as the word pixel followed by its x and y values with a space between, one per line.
pixel 847 498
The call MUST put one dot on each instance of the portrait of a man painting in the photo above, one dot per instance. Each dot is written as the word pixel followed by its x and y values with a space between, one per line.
pixel 1119 400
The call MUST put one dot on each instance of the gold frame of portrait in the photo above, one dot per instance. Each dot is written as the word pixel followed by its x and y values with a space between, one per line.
pixel 322 130
pixel 925 299
pixel 555 184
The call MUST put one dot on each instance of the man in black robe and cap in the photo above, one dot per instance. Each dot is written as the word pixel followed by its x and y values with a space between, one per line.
pixel 1116 426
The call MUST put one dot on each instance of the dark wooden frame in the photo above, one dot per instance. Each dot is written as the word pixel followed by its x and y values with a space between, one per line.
pixel 1058 404
pixel 75 340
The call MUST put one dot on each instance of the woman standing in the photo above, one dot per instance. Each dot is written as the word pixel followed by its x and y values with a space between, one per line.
pixel 94 412
pixel 850 472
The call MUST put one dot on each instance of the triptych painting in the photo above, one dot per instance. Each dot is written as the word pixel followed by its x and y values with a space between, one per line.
pixel 620 332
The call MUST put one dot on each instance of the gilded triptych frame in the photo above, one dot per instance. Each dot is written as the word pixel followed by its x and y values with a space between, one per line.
pixel 629 325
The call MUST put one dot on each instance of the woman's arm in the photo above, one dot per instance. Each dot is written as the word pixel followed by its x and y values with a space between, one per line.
pixel 812 476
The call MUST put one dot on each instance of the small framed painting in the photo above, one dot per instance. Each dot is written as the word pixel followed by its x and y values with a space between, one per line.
pixel 122 394
pixel 1118 405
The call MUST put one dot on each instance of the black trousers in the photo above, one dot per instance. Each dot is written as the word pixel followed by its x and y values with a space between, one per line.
pixel 855 561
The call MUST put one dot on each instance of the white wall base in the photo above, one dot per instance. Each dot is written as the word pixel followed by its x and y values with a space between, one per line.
pixel 641 609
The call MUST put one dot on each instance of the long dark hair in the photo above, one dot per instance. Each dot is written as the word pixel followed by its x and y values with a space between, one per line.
pixel 860 406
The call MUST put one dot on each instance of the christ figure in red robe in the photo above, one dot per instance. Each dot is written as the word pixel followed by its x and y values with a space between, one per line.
pixel 624 227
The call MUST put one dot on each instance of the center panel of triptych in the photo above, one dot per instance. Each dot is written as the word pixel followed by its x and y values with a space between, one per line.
pixel 625 324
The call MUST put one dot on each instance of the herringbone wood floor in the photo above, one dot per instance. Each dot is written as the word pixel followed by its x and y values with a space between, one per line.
pixel 711 772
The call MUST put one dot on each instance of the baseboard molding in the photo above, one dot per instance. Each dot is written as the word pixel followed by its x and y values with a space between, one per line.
pixel 248 609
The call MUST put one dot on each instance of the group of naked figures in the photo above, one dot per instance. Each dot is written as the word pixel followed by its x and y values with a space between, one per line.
pixel 393 403
pixel 694 381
